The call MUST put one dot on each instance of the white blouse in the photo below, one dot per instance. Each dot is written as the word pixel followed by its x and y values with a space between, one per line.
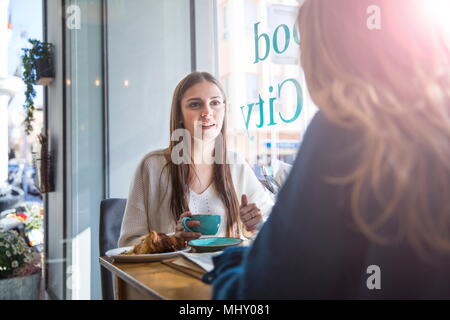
pixel 209 202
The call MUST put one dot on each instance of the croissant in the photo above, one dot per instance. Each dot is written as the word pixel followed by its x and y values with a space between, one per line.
pixel 155 242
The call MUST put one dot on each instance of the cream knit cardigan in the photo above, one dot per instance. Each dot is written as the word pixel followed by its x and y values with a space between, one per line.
pixel 148 206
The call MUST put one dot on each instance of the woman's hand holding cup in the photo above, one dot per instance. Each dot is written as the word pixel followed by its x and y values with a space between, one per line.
pixel 180 232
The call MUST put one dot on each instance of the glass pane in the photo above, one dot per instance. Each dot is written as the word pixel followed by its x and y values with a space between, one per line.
pixel 269 105
pixel 84 85
pixel 148 54
pixel 21 201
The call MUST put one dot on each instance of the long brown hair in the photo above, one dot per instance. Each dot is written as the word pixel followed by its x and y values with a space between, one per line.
pixel 179 174
pixel 393 84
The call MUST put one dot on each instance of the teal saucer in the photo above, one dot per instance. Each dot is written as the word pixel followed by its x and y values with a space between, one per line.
pixel 213 244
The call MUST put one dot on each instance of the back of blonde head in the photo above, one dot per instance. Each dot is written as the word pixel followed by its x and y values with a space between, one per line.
pixel 393 84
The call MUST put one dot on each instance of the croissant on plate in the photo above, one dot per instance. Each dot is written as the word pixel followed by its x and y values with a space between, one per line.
pixel 156 242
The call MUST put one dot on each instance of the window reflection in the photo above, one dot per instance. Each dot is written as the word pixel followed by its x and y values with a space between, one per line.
pixel 267 147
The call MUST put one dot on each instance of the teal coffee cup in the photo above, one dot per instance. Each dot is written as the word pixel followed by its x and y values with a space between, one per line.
pixel 209 223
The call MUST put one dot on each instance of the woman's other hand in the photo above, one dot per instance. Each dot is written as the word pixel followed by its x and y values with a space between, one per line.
pixel 180 232
pixel 250 214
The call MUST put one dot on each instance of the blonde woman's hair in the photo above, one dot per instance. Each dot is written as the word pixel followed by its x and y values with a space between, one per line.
pixel 393 84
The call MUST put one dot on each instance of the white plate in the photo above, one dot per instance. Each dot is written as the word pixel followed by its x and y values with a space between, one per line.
pixel 117 256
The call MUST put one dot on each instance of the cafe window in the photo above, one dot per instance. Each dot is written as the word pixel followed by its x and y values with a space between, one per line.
pixel 269 106
pixel 123 62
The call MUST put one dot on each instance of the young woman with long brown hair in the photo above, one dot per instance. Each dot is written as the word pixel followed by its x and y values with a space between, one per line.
pixel 196 174
pixel 365 212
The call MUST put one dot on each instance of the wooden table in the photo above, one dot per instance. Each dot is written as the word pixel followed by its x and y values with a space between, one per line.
pixel 154 281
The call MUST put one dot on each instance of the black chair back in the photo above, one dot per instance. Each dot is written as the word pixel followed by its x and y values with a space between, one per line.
pixel 111 215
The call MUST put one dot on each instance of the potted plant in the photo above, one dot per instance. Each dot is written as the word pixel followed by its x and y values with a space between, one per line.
pixel 32 218
pixel 38 69
pixel 20 268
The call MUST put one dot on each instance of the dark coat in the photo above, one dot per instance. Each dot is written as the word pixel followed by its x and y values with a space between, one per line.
pixel 310 248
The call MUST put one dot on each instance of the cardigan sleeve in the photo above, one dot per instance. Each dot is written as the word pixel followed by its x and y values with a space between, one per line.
pixel 247 183
pixel 135 222
pixel 256 192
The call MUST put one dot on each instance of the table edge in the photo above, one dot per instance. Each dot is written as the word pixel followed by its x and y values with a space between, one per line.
pixel 129 279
